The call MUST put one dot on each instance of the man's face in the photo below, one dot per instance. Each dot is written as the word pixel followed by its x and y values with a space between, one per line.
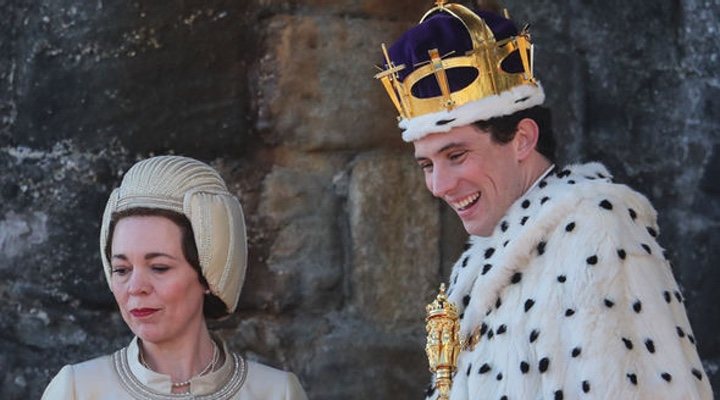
pixel 478 178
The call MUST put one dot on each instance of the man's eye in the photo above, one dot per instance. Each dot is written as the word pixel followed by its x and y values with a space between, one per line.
pixel 457 155
pixel 425 166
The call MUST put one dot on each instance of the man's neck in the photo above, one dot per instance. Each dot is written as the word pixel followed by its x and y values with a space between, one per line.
pixel 536 166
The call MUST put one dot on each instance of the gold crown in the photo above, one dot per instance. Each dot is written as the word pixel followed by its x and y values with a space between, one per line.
pixel 486 56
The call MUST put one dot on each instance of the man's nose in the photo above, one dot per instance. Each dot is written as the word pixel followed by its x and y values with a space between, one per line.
pixel 441 181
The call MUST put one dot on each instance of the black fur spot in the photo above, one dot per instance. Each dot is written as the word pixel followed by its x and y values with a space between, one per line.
pixel 561 278
pixel 544 364
pixel 517 277
pixel 542 184
pixel 483 329
pixel 501 329
pixel 465 261
pixel 499 376
pixel 534 335
pixel 541 248
pixel 466 300
pixel 504 226
pixel 569 227
pixel 621 253
pixel 498 303
pixel 592 260
pixel 569 312
pixel 697 373
pixel 558 395
pixel 576 352
pixel 606 205
pixel 608 303
pixel 544 199
pixel 667 297
pixel 524 367
pixel 666 376
pixel 484 369
pixel 632 213
pixel 678 296
pixel 680 331
pixel 444 122
pixel 489 252
pixel 628 343
pixel 691 339
pixel 525 203
pixel 586 386
pixel 646 248
pixel 637 306
pixel 524 220
pixel 632 378
pixel 652 231
pixel 468 370
pixel 486 268
pixel 650 345
pixel 528 304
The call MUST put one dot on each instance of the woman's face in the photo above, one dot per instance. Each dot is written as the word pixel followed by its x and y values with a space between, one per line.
pixel 157 290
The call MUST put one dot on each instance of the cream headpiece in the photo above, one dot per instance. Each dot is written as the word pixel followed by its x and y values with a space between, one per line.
pixel 196 190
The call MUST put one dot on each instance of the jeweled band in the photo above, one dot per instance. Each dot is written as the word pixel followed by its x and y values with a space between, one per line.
pixel 137 390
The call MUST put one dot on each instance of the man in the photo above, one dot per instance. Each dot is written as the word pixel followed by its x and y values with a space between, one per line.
pixel 563 291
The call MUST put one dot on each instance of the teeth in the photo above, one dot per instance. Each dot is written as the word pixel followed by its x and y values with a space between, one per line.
pixel 466 201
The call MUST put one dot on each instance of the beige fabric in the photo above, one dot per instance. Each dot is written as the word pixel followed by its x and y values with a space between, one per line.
pixel 192 188
pixel 97 379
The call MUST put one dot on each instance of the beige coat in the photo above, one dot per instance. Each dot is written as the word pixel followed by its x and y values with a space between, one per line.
pixel 121 376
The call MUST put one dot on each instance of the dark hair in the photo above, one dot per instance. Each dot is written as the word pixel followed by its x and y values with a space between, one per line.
pixel 213 307
pixel 502 129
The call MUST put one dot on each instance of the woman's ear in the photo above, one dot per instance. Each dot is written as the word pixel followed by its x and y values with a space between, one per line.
pixel 526 138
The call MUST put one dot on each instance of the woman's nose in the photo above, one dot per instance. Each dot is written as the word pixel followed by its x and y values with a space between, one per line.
pixel 139 282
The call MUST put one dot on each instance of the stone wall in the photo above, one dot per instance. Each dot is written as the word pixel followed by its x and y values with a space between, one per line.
pixel 346 246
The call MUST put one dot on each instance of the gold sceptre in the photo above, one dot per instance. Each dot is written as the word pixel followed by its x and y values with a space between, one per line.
pixel 443 343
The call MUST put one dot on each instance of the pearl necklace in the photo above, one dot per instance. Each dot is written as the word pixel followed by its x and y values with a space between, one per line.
pixel 213 362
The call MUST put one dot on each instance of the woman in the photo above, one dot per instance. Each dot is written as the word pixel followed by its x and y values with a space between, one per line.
pixel 173 248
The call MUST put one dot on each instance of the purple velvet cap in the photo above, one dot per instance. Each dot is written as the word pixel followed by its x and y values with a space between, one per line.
pixel 448 34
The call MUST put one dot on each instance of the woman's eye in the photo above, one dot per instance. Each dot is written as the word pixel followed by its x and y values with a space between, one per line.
pixel 120 270
pixel 160 268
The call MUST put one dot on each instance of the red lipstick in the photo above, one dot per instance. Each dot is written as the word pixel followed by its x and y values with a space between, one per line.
pixel 142 312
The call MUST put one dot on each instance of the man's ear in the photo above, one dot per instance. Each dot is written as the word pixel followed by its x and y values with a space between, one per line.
pixel 526 138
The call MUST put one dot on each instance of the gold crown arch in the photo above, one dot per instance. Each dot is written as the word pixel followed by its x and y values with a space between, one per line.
pixel 486 58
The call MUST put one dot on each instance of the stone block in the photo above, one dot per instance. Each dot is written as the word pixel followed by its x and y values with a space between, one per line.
pixel 305 256
pixel 395 233
pixel 374 364
pixel 409 10
pixel 316 89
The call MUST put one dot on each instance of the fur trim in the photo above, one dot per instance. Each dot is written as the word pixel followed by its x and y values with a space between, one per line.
pixel 573 295
pixel 505 103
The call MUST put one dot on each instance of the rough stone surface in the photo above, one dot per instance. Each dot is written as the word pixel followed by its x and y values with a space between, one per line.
pixel 278 95
pixel 394 248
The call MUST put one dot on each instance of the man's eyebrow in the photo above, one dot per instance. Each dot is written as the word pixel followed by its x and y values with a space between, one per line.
pixel 443 149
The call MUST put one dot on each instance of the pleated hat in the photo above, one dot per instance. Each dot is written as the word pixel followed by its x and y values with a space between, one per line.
pixel 195 190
